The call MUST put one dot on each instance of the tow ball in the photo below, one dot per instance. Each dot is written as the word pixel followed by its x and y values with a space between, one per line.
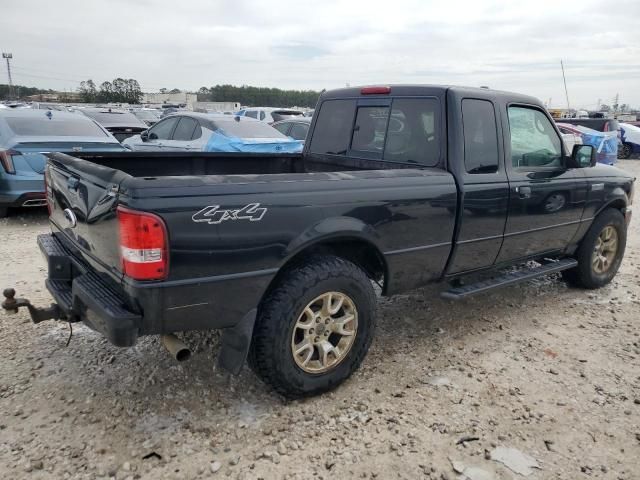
pixel 12 304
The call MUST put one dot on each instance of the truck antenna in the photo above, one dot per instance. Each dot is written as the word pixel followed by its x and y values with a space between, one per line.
pixel 566 92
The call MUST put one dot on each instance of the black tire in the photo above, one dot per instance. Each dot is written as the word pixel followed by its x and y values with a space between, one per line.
pixel 584 275
pixel 271 356
pixel 624 152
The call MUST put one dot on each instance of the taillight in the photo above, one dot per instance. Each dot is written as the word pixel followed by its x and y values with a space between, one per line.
pixel 375 90
pixel 7 161
pixel 143 245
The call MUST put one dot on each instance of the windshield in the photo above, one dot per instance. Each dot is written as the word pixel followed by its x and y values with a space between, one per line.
pixel 67 127
pixel 247 129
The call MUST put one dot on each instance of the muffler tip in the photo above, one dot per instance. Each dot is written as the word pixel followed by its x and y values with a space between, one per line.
pixel 176 347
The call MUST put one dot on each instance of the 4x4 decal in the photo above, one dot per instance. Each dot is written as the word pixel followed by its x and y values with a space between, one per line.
pixel 214 215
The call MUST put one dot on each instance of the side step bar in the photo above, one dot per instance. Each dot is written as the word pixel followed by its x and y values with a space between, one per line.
pixel 511 278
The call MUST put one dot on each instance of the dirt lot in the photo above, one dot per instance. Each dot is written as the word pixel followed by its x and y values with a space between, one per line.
pixel 550 371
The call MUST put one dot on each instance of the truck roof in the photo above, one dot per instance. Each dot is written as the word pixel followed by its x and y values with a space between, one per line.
pixel 418 90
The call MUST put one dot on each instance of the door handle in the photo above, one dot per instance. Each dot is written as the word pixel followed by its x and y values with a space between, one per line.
pixel 523 192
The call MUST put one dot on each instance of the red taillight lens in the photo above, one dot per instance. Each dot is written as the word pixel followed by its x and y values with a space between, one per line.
pixel 143 245
pixel 7 161
pixel 375 90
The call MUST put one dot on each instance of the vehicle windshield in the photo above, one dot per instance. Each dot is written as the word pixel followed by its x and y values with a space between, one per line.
pixel 29 126
pixel 247 129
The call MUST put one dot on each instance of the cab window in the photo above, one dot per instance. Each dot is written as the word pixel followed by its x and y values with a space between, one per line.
pixel 534 141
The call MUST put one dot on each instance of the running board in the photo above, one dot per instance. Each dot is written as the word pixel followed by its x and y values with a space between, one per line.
pixel 511 278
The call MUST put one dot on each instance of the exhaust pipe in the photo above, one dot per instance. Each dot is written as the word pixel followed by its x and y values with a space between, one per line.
pixel 175 347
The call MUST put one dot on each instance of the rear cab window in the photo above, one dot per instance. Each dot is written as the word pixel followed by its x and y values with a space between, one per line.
pixel 405 130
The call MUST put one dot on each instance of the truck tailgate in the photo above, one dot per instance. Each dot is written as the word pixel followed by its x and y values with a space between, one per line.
pixel 82 198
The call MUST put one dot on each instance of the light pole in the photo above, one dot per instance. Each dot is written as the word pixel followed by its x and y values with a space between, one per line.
pixel 9 56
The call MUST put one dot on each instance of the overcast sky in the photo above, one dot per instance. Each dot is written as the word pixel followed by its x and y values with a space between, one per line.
pixel 327 44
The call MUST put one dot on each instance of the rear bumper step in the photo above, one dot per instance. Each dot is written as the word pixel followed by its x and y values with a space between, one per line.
pixel 507 279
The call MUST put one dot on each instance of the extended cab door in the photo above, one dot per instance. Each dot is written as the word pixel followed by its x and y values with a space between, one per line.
pixel 546 197
pixel 477 158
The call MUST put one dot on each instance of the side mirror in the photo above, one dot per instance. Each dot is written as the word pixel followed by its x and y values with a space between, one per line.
pixel 144 136
pixel 152 136
pixel 584 156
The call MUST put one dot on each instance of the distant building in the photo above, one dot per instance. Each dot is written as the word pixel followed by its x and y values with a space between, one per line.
pixel 182 98
pixel 216 107
pixel 54 97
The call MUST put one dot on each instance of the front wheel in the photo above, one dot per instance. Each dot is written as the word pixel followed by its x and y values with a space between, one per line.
pixel 600 253
pixel 314 328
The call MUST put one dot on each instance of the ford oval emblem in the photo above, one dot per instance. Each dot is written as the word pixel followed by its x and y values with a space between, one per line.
pixel 70 217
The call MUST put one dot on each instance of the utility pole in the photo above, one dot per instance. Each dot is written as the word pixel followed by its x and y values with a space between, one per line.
pixel 9 56
pixel 566 92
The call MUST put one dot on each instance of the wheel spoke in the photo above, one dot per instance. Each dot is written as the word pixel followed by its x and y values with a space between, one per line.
pixel 326 304
pixel 324 349
pixel 335 307
pixel 340 323
pixel 302 346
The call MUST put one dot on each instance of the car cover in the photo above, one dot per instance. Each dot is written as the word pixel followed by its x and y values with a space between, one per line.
pixel 220 141
pixel 630 133
pixel 605 143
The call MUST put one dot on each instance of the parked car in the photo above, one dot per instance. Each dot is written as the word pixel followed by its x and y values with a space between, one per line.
pixel 598 124
pixel 296 127
pixel 24 134
pixel 605 143
pixel 270 114
pixel 150 116
pixel 120 123
pixel 281 251
pixel 630 139
pixel 202 132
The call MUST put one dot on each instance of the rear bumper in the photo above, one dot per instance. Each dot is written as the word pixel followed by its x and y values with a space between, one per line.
pixel 83 295
pixel 123 312
pixel 17 190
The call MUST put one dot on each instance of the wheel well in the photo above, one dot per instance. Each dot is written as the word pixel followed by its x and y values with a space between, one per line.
pixel 360 252
pixel 617 204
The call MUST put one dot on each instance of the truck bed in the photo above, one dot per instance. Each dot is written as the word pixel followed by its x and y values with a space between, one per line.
pixel 160 164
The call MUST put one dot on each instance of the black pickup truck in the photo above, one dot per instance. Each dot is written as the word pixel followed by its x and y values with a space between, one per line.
pixel 397 186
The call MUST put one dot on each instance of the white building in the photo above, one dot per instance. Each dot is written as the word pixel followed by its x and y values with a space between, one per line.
pixel 182 98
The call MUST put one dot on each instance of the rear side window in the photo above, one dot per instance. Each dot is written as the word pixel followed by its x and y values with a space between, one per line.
pixel 252 114
pixel 480 136
pixel 332 132
pixel 299 131
pixel 184 130
pixel 282 127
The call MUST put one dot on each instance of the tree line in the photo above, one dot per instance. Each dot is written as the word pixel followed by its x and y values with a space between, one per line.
pixel 259 96
pixel 120 90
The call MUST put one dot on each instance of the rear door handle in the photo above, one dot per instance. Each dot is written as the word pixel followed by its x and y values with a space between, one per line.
pixel 523 192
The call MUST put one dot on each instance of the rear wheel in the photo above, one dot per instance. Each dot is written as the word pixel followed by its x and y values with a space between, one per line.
pixel 600 253
pixel 624 152
pixel 314 328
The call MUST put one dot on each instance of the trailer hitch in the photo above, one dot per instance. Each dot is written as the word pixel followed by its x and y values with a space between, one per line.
pixel 12 304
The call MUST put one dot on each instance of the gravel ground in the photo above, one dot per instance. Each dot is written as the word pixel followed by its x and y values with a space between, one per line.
pixel 538 379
